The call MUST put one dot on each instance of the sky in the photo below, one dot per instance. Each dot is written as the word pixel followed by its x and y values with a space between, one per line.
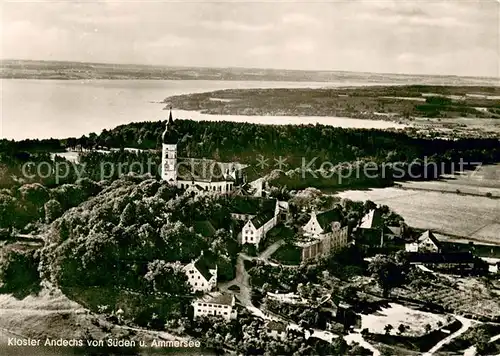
pixel 459 37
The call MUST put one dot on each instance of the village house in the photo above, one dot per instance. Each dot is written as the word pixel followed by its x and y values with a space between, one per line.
pixel 426 242
pixel 215 304
pixel 276 330
pixel 259 215
pixel 463 263
pixel 374 234
pixel 201 274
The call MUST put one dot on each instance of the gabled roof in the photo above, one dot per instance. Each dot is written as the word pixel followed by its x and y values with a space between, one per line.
pixel 393 230
pixel 327 217
pixel 262 218
pixel 250 174
pixel 429 235
pixel 372 219
pixel 202 170
pixel 217 298
pixel 204 264
pixel 244 190
pixel 204 228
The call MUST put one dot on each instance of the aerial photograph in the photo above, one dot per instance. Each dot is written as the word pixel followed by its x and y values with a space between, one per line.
pixel 249 177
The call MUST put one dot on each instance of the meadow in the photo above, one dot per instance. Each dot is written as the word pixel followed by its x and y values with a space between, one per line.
pixel 439 207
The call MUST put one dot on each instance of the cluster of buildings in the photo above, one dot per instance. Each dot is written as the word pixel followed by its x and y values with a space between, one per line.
pixel 425 249
pixel 254 216
pixel 202 175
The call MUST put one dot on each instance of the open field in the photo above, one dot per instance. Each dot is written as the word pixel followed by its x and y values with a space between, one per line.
pixel 398 314
pixel 437 206
pixel 448 213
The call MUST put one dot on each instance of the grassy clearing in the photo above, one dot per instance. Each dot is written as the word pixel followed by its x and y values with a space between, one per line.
pixel 397 314
pixel 470 216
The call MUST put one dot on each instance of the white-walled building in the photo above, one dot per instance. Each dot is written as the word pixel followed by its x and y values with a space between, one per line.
pixel 215 304
pixel 325 234
pixel 325 243
pixel 259 216
pixel 201 274
pixel 198 175
pixel 426 242
pixel 321 223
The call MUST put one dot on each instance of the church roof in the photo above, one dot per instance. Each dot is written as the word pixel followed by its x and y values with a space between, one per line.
pixel 201 170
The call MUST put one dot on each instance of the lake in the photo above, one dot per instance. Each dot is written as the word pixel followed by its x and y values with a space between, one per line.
pixel 65 108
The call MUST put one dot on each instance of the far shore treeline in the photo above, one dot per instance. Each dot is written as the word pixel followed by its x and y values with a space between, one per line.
pixel 246 143
pixel 26 198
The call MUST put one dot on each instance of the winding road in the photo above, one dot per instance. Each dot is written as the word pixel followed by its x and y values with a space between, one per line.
pixel 472 351
pixel 466 324
pixel 357 337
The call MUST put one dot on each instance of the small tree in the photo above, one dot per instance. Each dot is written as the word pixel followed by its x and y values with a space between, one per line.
pixel 401 328
pixel 388 329
pixel 427 328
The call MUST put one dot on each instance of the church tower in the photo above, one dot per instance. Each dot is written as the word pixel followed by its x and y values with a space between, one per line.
pixel 169 152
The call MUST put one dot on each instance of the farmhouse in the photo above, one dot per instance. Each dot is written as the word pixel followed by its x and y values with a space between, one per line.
pixel 373 233
pixel 426 242
pixel 215 304
pixel 201 274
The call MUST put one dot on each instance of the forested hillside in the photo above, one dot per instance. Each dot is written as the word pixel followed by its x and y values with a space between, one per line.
pixel 126 243
pixel 247 143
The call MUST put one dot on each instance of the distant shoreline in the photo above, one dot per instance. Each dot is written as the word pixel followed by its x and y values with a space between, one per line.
pixel 60 70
